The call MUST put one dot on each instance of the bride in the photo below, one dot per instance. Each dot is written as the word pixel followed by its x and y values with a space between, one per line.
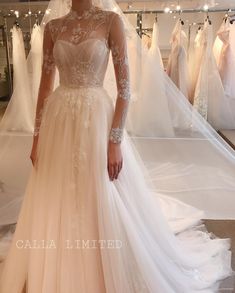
pixel 89 221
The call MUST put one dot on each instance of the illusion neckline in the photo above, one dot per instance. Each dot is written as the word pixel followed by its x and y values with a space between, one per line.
pixel 83 14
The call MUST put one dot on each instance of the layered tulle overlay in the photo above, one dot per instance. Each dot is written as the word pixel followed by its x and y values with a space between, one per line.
pixel 77 231
pixel 80 232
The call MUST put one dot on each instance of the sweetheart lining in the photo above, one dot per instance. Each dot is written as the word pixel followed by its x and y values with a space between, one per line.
pixel 89 39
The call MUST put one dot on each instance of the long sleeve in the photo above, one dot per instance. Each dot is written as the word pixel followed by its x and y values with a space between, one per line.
pixel 117 42
pixel 47 76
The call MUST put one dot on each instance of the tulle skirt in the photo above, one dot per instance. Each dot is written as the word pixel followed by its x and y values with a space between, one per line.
pixel 78 231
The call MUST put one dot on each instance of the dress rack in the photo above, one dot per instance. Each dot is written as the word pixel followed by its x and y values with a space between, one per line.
pixel 147 11
pixel 140 13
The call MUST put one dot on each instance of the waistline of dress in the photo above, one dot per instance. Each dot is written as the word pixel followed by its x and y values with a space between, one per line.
pixel 79 87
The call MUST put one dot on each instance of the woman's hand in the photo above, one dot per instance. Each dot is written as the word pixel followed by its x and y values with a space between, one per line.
pixel 115 160
pixel 33 155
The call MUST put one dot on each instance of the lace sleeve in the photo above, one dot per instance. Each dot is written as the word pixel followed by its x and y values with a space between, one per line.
pixel 47 76
pixel 117 43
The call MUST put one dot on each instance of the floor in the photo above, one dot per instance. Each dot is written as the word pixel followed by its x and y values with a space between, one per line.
pixel 225 229
pixel 229 136
pixel 221 228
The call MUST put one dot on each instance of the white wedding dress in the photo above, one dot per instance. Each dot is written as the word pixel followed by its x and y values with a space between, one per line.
pixel 224 50
pixel 70 197
pixel 177 67
pixel 154 48
pixel 148 104
pixel 209 96
pixel 19 113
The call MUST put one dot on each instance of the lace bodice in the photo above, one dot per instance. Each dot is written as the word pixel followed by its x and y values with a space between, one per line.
pixel 81 49
pixel 79 46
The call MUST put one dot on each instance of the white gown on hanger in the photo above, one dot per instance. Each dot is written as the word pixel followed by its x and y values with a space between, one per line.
pixel 177 67
pixel 225 52
pixel 19 113
pixel 209 96
pixel 154 48
pixel 155 107
pixel 69 197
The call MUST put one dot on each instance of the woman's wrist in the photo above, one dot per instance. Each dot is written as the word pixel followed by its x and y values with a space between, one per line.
pixel 116 135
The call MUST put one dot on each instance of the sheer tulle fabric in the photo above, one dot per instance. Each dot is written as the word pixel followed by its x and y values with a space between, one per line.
pixel 69 208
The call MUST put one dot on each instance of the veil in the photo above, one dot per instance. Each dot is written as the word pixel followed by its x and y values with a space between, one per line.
pixel 183 154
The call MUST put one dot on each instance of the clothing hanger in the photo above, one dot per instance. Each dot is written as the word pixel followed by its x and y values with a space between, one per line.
pixel 144 33
pixel 180 19
pixel 16 23
pixel 228 17
pixel 208 19
pixel 232 18
pixel 156 18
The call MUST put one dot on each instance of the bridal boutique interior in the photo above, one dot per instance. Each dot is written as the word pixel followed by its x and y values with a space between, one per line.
pixel 194 43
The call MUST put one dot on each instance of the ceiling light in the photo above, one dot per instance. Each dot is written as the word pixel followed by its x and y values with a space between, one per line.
pixel 47 11
pixel 205 7
pixel 167 10
pixel 17 13
pixel 178 8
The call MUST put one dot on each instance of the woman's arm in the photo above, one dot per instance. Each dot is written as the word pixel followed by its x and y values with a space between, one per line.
pixel 117 43
pixel 46 84
pixel 47 76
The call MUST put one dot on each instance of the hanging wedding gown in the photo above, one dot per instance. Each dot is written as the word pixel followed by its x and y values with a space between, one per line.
pixel 154 48
pixel 15 127
pixel 155 107
pixel 225 56
pixel 177 67
pixel 70 199
pixel 209 97
pixel 19 113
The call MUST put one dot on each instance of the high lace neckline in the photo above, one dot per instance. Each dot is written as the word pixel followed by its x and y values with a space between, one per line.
pixel 83 14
